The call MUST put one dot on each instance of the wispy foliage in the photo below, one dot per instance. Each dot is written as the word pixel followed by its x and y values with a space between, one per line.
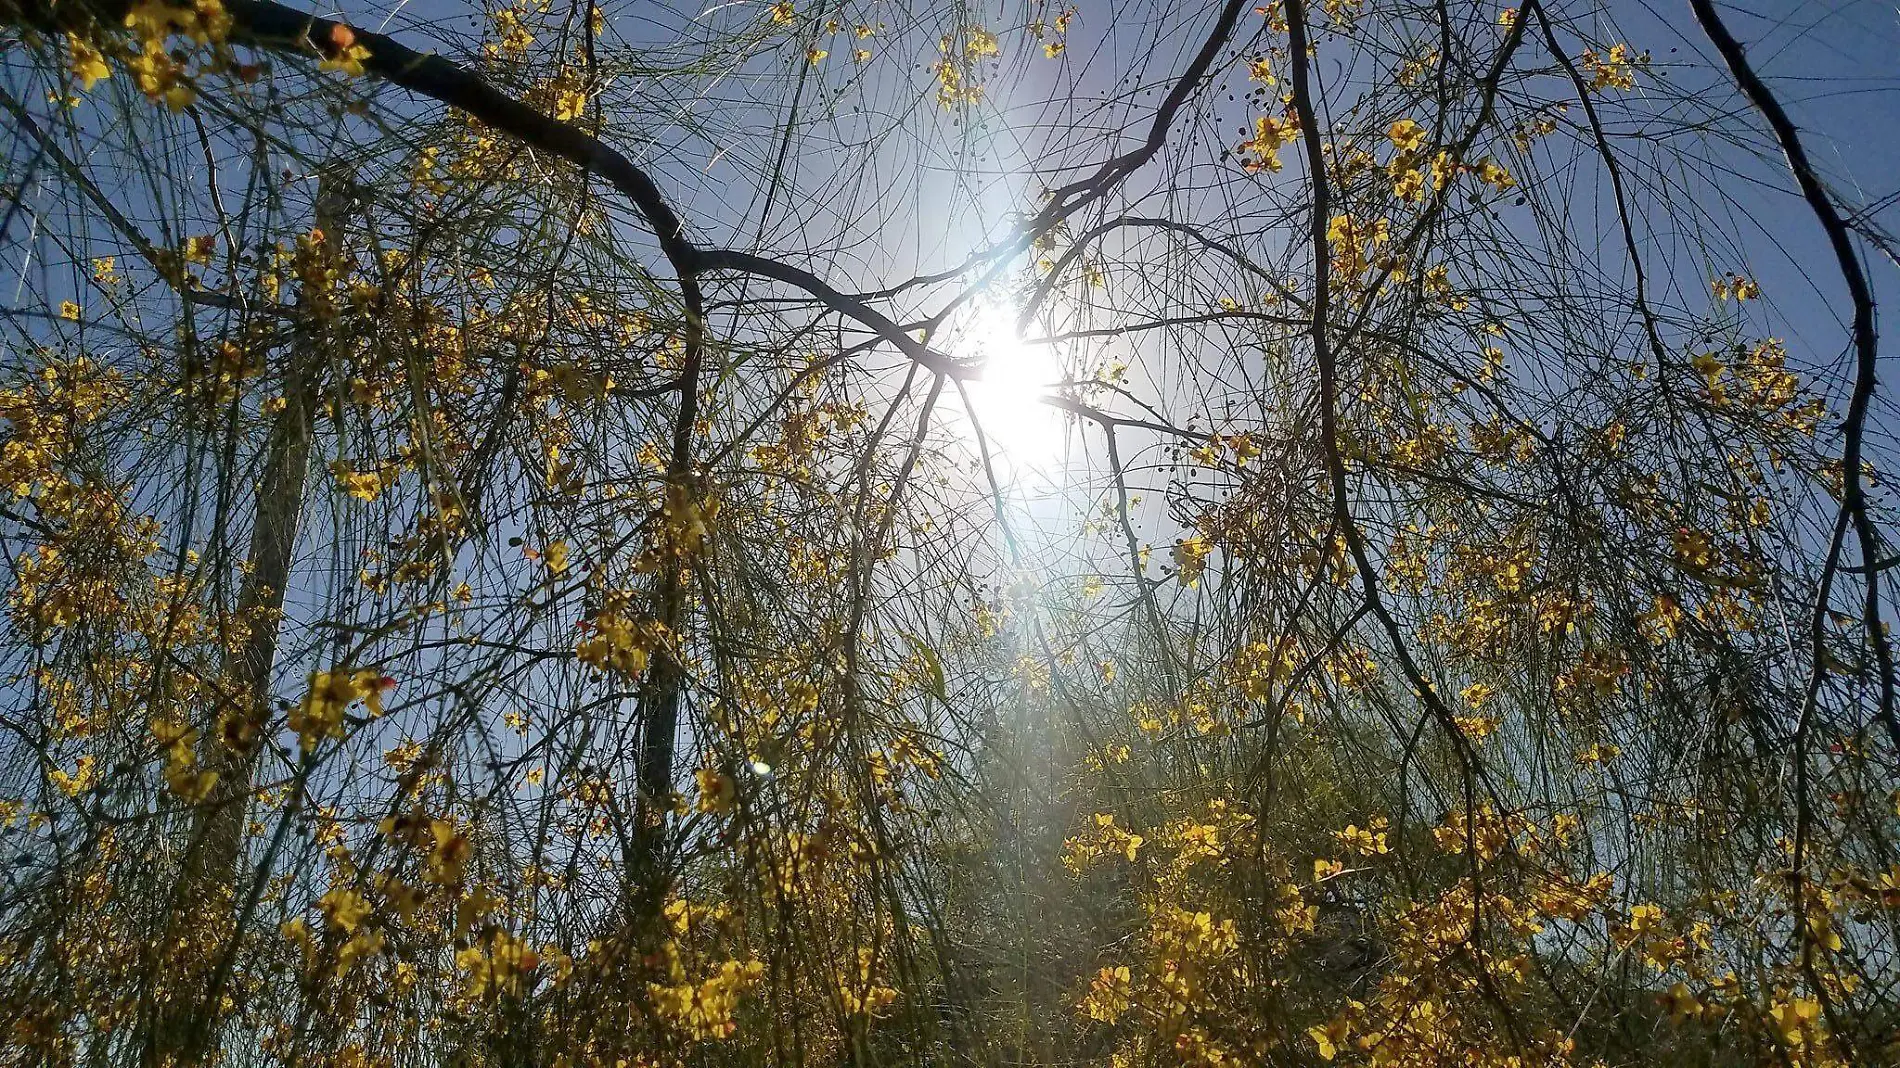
pixel 513 562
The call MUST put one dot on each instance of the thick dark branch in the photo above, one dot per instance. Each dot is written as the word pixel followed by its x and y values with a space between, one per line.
pixel 1162 324
pixel 1615 171
pixel 1073 197
pixel 274 27
pixel 1109 420
pixel 1866 353
pixel 1325 359
pixel 844 304
pixel 1115 169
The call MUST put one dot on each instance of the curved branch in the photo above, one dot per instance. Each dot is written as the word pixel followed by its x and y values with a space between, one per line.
pixel 1325 358
pixel 1866 353
pixel 850 307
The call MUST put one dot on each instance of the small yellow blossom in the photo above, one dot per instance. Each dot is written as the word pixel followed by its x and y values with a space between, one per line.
pixel 1406 135
pixel 88 65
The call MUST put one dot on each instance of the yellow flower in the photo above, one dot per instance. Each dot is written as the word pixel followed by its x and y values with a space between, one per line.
pixel 570 104
pixel 1330 1037
pixel 1735 286
pixel 716 790
pixel 365 486
pixel 1263 151
pixel 1679 1002
pixel 199 250
pixel 87 64
pixel 1614 71
pixel 1190 559
pixel 78 781
pixel 704 1010
pixel 616 643
pixel 155 19
pixel 450 852
pixel 1794 1018
pixel 1109 994
pixel 1365 841
pixel 69 310
pixel 515 37
pixel 203 21
pixel 320 714
pixel 1495 176
pixel 1406 135
pixel 1694 548
pixel 159 77
pixel 502 968
pixel 1645 918
pixel 1409 185
pixel 344 908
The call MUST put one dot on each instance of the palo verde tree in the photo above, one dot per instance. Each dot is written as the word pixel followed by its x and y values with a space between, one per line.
pixel 870 533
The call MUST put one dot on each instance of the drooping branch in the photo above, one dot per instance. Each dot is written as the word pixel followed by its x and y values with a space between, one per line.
pixel 1866 361
pixel 842 303
pixel 1067 200
pixel 279 28
pixel 1326 359
pixel 1614 169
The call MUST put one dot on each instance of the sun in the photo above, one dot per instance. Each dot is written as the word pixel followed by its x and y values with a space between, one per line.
pixel 1007 400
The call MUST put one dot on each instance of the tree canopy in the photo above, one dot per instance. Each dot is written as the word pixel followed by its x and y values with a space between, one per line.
pixel 862 532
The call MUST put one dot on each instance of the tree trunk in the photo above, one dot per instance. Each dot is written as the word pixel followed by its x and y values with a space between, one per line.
pixel 209 882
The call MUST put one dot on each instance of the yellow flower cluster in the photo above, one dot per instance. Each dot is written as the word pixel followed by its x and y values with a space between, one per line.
pixel 1615 69
pixel 320 714
pixel 182 773
pixel 615 643
pixel 704 1009
pixel 1262 151
pixel 1104 839
pixel 503 964
pixel 162 76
